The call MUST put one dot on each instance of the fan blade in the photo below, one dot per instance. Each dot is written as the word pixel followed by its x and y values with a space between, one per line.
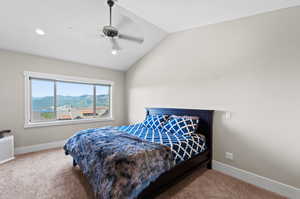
pixel 131 38
pixel 115 45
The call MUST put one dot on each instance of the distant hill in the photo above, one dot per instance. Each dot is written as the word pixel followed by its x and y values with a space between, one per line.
pixel 44 104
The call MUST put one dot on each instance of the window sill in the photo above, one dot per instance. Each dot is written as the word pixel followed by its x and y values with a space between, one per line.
pixel 66 122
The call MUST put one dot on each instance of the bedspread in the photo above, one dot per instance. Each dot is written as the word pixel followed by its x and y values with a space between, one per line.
pixel 183 147
pixel 116 164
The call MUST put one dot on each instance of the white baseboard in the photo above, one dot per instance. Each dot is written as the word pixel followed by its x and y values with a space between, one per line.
pixel 260 181
pixel 39 147
pixel 3 161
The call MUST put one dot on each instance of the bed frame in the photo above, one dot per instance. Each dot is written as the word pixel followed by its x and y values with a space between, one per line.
pixel 181 170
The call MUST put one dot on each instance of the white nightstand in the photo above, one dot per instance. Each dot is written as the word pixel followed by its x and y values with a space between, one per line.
pixel 6 148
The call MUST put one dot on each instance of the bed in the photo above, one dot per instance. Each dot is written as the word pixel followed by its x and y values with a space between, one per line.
pixel 140 161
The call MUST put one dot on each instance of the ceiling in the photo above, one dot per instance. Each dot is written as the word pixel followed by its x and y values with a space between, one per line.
pixel 72 31
pixel 178 15
pixel 72 26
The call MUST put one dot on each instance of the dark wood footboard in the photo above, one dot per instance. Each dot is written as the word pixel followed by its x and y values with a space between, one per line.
pixel 175 175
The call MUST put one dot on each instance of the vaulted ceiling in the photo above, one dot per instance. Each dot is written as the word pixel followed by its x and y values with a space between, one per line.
pixel 72 27
pixel 178 15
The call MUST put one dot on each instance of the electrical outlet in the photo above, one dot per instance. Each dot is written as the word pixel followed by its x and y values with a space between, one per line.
pixel 229 156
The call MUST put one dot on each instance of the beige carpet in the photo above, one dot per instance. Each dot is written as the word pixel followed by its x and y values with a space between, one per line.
pixel 49 174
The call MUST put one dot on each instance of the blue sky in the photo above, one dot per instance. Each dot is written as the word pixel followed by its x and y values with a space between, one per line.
pixel 42 88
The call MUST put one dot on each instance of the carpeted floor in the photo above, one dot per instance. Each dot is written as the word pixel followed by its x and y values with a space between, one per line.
pixel 49 174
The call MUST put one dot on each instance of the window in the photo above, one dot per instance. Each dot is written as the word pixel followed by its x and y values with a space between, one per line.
pixel 54 100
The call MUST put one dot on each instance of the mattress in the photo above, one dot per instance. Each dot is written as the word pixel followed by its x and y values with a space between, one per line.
pixel 183 147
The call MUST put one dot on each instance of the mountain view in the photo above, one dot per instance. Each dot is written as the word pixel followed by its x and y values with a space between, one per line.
pixel 69 107
pixel 44 104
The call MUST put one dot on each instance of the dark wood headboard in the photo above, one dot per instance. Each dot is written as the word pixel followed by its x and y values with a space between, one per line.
pixel 205 126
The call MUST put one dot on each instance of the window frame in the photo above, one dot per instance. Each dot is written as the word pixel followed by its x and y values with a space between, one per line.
pixel 53 77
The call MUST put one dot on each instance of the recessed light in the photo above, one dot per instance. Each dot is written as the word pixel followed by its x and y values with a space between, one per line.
pixel 39 31
pixel 114 52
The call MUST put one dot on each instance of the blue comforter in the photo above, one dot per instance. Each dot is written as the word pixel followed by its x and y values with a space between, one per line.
pixel 120 162
pixel 183 147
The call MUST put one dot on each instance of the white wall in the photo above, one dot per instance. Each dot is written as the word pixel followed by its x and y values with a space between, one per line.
pixel 12 67
pixel 250 67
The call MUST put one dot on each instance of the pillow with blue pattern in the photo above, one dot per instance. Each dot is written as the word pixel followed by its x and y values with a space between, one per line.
pixel 155 121
pixel 183 125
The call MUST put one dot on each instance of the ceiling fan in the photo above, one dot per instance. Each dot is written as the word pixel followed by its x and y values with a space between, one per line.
pixel 112 33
